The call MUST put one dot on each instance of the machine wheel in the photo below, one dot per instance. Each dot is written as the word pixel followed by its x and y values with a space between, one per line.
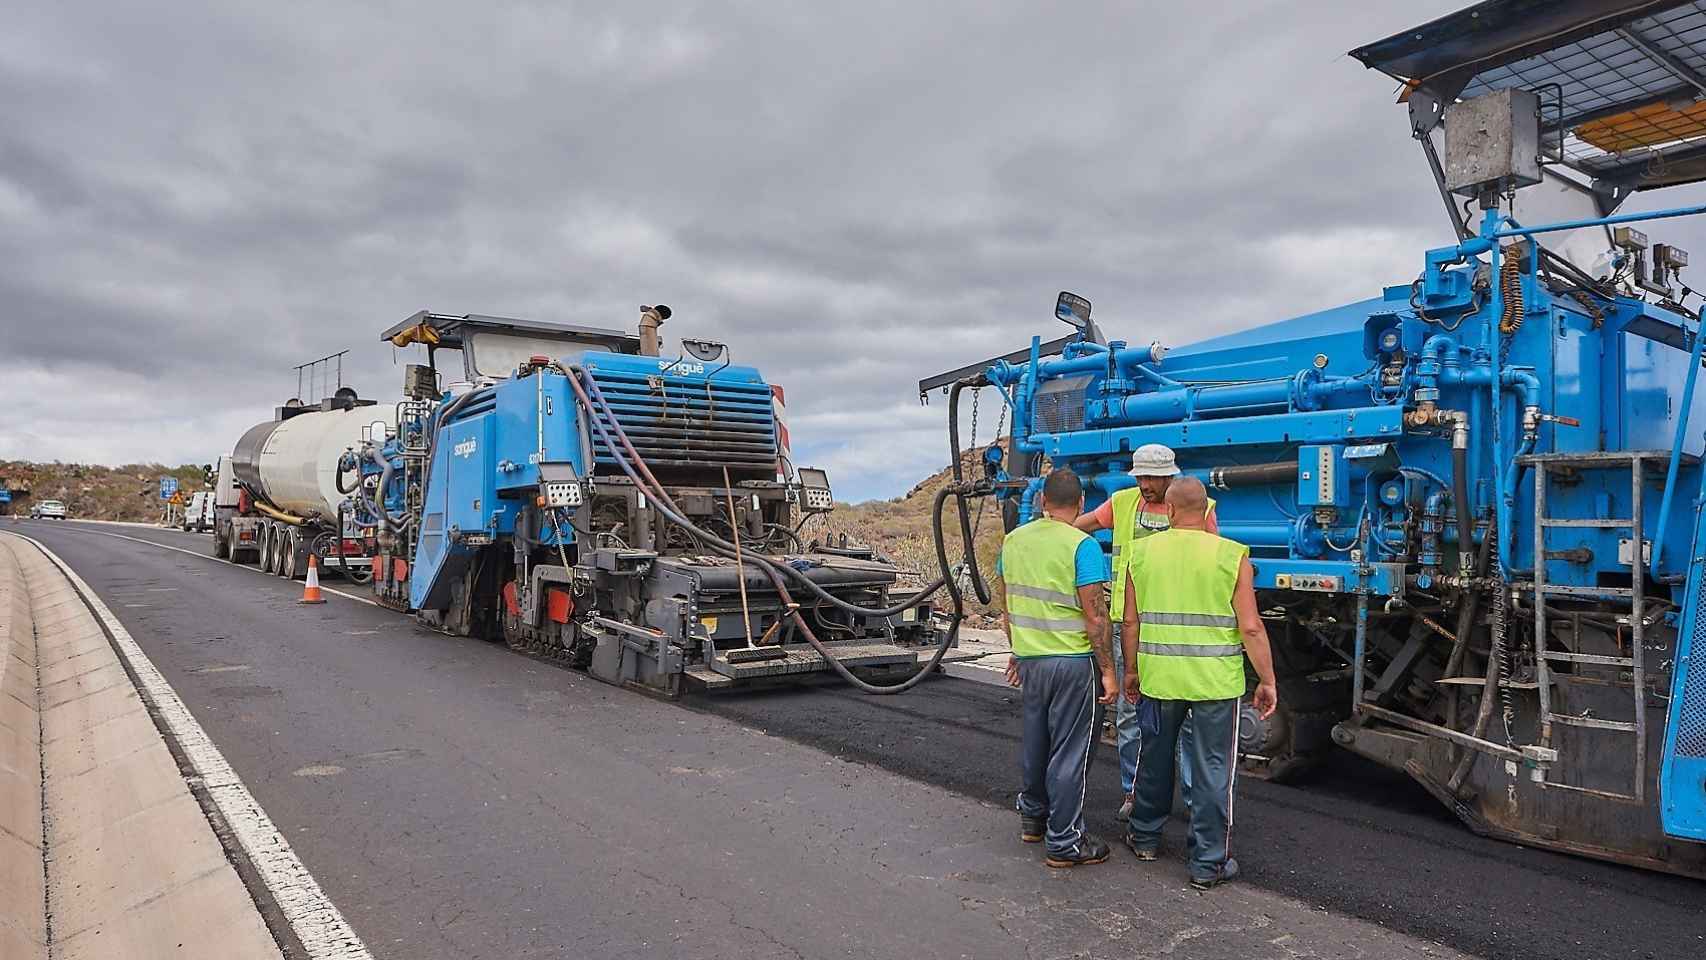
pixel 269 550
pixel 287 564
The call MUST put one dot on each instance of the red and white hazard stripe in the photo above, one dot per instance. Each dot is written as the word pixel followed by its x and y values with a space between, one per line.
pixel 784 452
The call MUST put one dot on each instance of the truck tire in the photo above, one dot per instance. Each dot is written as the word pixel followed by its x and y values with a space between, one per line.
pixel 269 550
pixel 287 566
pixel 221 543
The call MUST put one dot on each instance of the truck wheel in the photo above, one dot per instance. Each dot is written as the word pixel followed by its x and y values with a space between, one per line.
pixel 287 568
pixel 221 544
pixel 268 549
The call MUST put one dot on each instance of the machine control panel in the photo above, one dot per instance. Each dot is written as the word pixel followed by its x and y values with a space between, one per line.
pixel 814 489
pixel 1322 477
pixel 559 485
pixel 1312 582
pixel 565 494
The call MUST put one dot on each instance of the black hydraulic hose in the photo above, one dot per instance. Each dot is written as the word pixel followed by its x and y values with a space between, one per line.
pixel 1471 602
pixel 1253 475
pixel 339 480
pixel 788 571
pixel 797 576
pixel 343 565
pixel 667 507
pixel 977 583
pixel 1460 494
pixel 1489 684
pixel 385 471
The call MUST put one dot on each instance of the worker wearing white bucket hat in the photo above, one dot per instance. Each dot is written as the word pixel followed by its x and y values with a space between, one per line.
pixel 1133 513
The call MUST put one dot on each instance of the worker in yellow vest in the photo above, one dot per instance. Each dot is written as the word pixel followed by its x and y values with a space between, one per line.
pixel 1190 620
pixel 1134 513
pixel 1055 581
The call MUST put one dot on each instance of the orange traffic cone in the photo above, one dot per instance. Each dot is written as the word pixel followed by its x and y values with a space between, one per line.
pixel 311 589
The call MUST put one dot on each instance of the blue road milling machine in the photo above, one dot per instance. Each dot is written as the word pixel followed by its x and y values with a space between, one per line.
pixel 1473 501
pixel 574 493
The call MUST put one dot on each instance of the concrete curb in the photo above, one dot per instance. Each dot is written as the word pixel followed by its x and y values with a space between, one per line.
pixel 308 923
pixel 132 867
pixel 23 875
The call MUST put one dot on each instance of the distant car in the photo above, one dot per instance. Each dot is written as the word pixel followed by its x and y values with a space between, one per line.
pixel 198 513
pixel 48 510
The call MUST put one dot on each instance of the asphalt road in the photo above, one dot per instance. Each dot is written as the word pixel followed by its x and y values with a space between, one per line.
pixel 460 800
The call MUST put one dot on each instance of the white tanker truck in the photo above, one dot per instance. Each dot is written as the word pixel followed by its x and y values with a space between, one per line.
pixel 279 496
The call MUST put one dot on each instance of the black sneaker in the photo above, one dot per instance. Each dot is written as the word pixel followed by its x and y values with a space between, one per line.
pixel 1031 829
pixel 1226 874
pixel 1087 850
pixel 1140 848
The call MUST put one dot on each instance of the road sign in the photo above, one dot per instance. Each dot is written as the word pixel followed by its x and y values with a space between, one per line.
pixel 168 486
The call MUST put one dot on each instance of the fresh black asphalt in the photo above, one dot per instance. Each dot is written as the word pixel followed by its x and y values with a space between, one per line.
pixel 454 840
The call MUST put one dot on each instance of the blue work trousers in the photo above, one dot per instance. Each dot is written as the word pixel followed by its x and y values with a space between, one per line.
pixel 1127 736
pixel 1059 697
pixel 1210 752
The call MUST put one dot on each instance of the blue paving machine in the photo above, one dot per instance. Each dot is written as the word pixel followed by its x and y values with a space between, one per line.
pixel 637 516
pixel 1473 501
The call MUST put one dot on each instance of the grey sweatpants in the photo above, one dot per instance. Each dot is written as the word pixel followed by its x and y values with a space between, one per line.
pixel 1059 696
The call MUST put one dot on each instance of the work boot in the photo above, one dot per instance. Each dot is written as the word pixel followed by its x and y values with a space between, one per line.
pixel 1089 849
pixel 1226 874
pixel 1031 829
pixel 1141 849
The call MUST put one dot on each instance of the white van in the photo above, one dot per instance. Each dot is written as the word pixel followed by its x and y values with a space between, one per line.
pixel 198 513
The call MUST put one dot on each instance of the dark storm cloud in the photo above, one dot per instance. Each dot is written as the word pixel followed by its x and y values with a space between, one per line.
pixel 194 197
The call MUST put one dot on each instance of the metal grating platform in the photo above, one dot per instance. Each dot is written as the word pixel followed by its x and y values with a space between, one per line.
pixel 1691 711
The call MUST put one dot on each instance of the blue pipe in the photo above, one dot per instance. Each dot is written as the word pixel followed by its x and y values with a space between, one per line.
pixel 1258 534
pixel 1676 451
pixel 1595 222
pixel 1149 374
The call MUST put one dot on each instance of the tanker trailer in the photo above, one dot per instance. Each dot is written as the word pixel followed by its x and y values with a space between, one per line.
pixel 285 497
pixel 1473 501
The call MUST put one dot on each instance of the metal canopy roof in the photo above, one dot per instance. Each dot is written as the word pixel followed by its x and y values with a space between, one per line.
pixel 1619 79
pixel 450 330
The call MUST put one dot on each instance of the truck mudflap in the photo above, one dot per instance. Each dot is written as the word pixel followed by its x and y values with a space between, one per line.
pixel 1682 778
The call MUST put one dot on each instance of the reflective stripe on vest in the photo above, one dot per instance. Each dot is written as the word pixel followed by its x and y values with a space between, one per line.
pixel 1189 647
pixel 1039 565
pixel 1129 507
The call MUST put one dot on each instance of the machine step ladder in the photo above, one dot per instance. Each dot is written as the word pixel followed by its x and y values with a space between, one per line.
pixel 1636 462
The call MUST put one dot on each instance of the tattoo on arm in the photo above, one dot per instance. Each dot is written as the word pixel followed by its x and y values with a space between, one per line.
pixel 1093 599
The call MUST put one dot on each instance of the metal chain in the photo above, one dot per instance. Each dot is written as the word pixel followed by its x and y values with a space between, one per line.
pixel 976 394
pixel 982 507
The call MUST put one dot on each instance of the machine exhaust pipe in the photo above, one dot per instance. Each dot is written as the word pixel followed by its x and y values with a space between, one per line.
pixel 651 318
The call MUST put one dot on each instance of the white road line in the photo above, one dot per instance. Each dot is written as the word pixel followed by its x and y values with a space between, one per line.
pixel 228 563
pixel 318 924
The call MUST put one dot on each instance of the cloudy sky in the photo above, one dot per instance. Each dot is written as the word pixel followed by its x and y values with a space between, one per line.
pixel 194 197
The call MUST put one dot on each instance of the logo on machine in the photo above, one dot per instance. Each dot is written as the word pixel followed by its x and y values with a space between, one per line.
pixel 680 368
pixel 466 448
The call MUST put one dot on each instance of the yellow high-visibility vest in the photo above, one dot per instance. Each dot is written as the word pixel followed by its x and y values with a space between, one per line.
pixel 1189 647
pixel 1039 567
pixel 1134 519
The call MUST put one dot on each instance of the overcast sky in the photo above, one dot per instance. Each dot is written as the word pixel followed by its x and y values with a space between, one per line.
pixel 196 196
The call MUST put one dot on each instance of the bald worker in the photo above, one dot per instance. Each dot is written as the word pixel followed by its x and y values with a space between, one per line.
pixel 1132 514
pixel 1190 620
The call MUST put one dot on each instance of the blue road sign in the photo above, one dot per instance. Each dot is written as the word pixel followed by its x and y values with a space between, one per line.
pixel 168 486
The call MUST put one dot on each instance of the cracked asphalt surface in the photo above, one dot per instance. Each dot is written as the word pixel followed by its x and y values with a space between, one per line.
pixel 458 800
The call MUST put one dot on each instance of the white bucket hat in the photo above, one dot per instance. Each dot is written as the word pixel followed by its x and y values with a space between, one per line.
pixel 1154 460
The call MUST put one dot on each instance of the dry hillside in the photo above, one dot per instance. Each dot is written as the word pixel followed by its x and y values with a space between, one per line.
pixel 92 492
pixel 900 528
